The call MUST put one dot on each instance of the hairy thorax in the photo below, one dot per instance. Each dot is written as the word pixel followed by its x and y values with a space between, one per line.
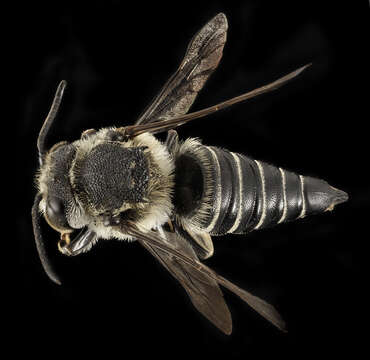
pixel 133 178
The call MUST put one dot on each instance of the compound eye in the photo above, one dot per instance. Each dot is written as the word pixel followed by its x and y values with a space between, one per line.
pixel 55 213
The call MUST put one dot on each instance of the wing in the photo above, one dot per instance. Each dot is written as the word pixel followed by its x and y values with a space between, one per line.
pixel 201 242
pixel 199 281
pixel 203 290
pixel 160 125
pixel 202 57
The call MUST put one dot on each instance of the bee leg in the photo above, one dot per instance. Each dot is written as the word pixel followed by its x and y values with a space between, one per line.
pixel 87 133
pixel 110 219
pixel 170 225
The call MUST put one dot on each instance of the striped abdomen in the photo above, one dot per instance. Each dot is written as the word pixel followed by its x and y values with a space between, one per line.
pixel 240 194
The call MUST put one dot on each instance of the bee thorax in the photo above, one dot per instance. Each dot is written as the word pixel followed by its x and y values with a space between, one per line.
pixel 110 176
pixel 114 181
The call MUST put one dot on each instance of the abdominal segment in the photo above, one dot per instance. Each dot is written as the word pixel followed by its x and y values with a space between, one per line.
pixel 221 192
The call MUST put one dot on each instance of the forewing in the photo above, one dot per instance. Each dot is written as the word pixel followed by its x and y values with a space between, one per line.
pixel 179 259
pixel 262 307
pixel 202 289
pixel 168 124
pixel 202 57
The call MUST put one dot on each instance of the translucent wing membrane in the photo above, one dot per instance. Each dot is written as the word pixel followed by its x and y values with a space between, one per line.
pixel 203 290
pixel 161 124
pixel 201 59
pixel 199 281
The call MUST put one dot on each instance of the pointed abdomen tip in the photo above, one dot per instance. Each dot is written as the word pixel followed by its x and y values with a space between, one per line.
pixel 338 197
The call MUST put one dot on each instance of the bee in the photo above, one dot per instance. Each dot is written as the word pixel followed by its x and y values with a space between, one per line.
pixel 171 196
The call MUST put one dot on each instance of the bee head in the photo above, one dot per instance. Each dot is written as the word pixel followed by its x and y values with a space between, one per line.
pixel 55 200
pixel 53 184
pixel 97 182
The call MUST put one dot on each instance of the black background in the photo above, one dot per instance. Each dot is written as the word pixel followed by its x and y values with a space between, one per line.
pixel 116 299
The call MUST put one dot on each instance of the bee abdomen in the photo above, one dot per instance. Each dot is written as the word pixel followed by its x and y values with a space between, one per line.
pixel 221 192
pixel 251 194
pixel 278 195
pixel 237 190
